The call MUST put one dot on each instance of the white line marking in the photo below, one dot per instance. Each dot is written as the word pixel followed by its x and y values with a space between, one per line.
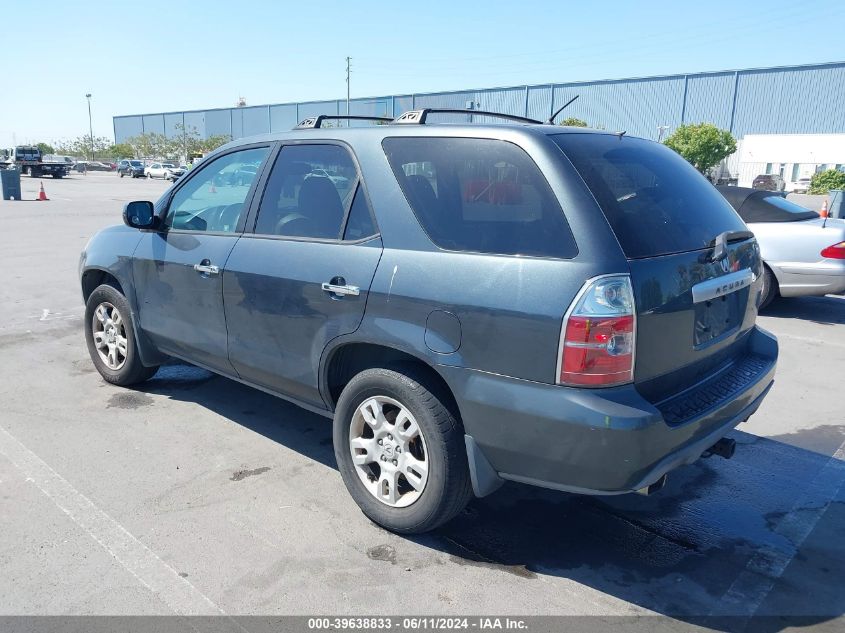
pixel 138 559
pixel 44 314
pixel 812 341
pixel 754 583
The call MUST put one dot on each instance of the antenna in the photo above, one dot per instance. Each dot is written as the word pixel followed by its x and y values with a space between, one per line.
pixel 348 60
pixel 560 109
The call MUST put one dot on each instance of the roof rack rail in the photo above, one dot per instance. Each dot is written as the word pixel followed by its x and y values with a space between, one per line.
pixel 418 117
pixel 317 121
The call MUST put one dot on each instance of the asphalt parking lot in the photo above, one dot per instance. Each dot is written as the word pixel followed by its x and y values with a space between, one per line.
pixel 197 495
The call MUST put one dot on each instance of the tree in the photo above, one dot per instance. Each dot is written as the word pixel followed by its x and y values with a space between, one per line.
pixel 573 122
pixel 121 150
pixel 44 148
pixel 81 146
pixel 189 140
pixel 213 142
pixel 702 144
pixel 824 181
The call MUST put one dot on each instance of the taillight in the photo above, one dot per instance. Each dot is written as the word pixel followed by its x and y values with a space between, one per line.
pixel 835 251
pixel 599 334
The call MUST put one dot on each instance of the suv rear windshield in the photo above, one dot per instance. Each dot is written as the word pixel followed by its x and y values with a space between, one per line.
pixel 480 195
pixel 655 201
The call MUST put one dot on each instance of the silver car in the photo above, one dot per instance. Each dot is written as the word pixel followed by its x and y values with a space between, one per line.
pixel 804 253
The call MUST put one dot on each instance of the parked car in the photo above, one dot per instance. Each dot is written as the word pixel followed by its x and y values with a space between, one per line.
pixel 804 255
pixel 167 171
pixel 468 313
pixel 802 185
pixel 133 168
pixel 769 182
pixel 98 166
pixel 90 165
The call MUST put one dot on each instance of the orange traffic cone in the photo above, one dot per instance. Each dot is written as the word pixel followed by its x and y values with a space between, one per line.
pixel 41 194
pixel 824 212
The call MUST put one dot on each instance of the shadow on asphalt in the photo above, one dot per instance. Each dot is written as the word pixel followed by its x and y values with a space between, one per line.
pixel 828 310
pixel 677 553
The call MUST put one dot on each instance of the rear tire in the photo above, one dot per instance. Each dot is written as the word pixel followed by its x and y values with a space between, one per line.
pixel 770 288
pixel 430 479
pixel 111 338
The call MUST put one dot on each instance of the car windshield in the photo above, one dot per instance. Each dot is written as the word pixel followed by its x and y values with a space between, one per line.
pixel 167 165
pixel 135 163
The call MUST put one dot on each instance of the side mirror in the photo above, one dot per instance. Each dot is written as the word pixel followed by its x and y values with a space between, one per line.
pixel 140 215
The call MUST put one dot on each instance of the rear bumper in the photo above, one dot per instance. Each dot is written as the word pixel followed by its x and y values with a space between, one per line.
pixel 816 279
pixel 597 441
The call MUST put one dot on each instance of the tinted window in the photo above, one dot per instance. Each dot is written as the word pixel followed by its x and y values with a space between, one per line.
pixel 211 200
pixel 481 195
pixel 360 223
pixel 655 201
pixel 308 192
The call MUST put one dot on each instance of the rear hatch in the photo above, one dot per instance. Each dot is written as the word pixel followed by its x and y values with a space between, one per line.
pixel 695 268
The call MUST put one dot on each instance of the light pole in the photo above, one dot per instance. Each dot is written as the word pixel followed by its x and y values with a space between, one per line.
pixel 90 126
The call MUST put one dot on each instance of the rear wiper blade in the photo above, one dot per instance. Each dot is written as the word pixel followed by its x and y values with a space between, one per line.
pixel 721 243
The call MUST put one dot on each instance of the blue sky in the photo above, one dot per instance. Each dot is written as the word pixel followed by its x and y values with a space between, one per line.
pixel 150 56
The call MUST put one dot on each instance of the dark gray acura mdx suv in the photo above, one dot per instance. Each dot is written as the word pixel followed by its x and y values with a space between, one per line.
pixel 471 303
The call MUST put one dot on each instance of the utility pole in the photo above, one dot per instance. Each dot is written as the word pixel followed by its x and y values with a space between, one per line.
pixel 348 59
pixel 90 126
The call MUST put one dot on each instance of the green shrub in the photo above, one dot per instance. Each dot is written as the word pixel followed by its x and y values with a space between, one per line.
pixel 824 181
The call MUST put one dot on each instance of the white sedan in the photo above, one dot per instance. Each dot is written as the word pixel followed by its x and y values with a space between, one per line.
pixel 168 171
pixel 803 253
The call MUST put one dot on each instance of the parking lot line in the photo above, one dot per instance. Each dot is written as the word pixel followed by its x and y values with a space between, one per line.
pixel 152 572
pixel 752 586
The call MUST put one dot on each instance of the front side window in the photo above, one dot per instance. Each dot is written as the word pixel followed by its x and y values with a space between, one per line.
pixel 212 200
pixel 480 195
pixel 308 192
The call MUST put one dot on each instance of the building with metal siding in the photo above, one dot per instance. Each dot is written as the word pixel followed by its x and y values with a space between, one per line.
pixel 806 99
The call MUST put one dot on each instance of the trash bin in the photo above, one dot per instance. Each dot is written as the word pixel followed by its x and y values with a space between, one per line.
pixel 10 183
pixel 837 203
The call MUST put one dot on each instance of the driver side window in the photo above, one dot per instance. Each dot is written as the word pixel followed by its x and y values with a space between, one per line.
pixel 213 200
pixel 308 192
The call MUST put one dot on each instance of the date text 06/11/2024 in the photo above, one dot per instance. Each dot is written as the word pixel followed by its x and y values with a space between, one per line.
pixel 419 623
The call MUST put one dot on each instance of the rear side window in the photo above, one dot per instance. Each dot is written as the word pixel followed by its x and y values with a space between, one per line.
pixel 480 195
pixel 655 201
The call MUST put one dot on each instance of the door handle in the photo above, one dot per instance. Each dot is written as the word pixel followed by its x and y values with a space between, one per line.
pixel 341 290
pixel 206 268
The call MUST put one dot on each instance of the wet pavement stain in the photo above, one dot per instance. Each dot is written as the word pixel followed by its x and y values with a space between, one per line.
pixel 83 366
pixel 129 400
pixel 240 475
pixel 382 552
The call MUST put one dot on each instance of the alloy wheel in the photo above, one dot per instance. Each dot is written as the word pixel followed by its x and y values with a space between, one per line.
pixel 109 331
pixel 389 451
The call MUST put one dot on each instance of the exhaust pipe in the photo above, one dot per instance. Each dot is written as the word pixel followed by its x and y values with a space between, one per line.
pixel 650 490
pixel 725 448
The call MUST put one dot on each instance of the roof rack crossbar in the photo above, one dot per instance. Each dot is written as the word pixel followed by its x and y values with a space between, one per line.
pixel 317 121
pixel 418 117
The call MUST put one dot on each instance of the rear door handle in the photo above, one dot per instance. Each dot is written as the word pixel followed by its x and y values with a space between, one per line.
pixel 207 268
pixel 341 290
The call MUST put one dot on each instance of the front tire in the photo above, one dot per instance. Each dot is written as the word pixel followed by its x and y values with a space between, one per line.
pixel 111 338
pixel 770 288
pixel 400 451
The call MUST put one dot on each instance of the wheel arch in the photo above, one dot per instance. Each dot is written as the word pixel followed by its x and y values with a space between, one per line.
pixel 345 360
pixel 93 277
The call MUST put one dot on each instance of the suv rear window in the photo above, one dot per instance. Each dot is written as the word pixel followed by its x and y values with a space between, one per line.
pixel 655 201
pixel 480 195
